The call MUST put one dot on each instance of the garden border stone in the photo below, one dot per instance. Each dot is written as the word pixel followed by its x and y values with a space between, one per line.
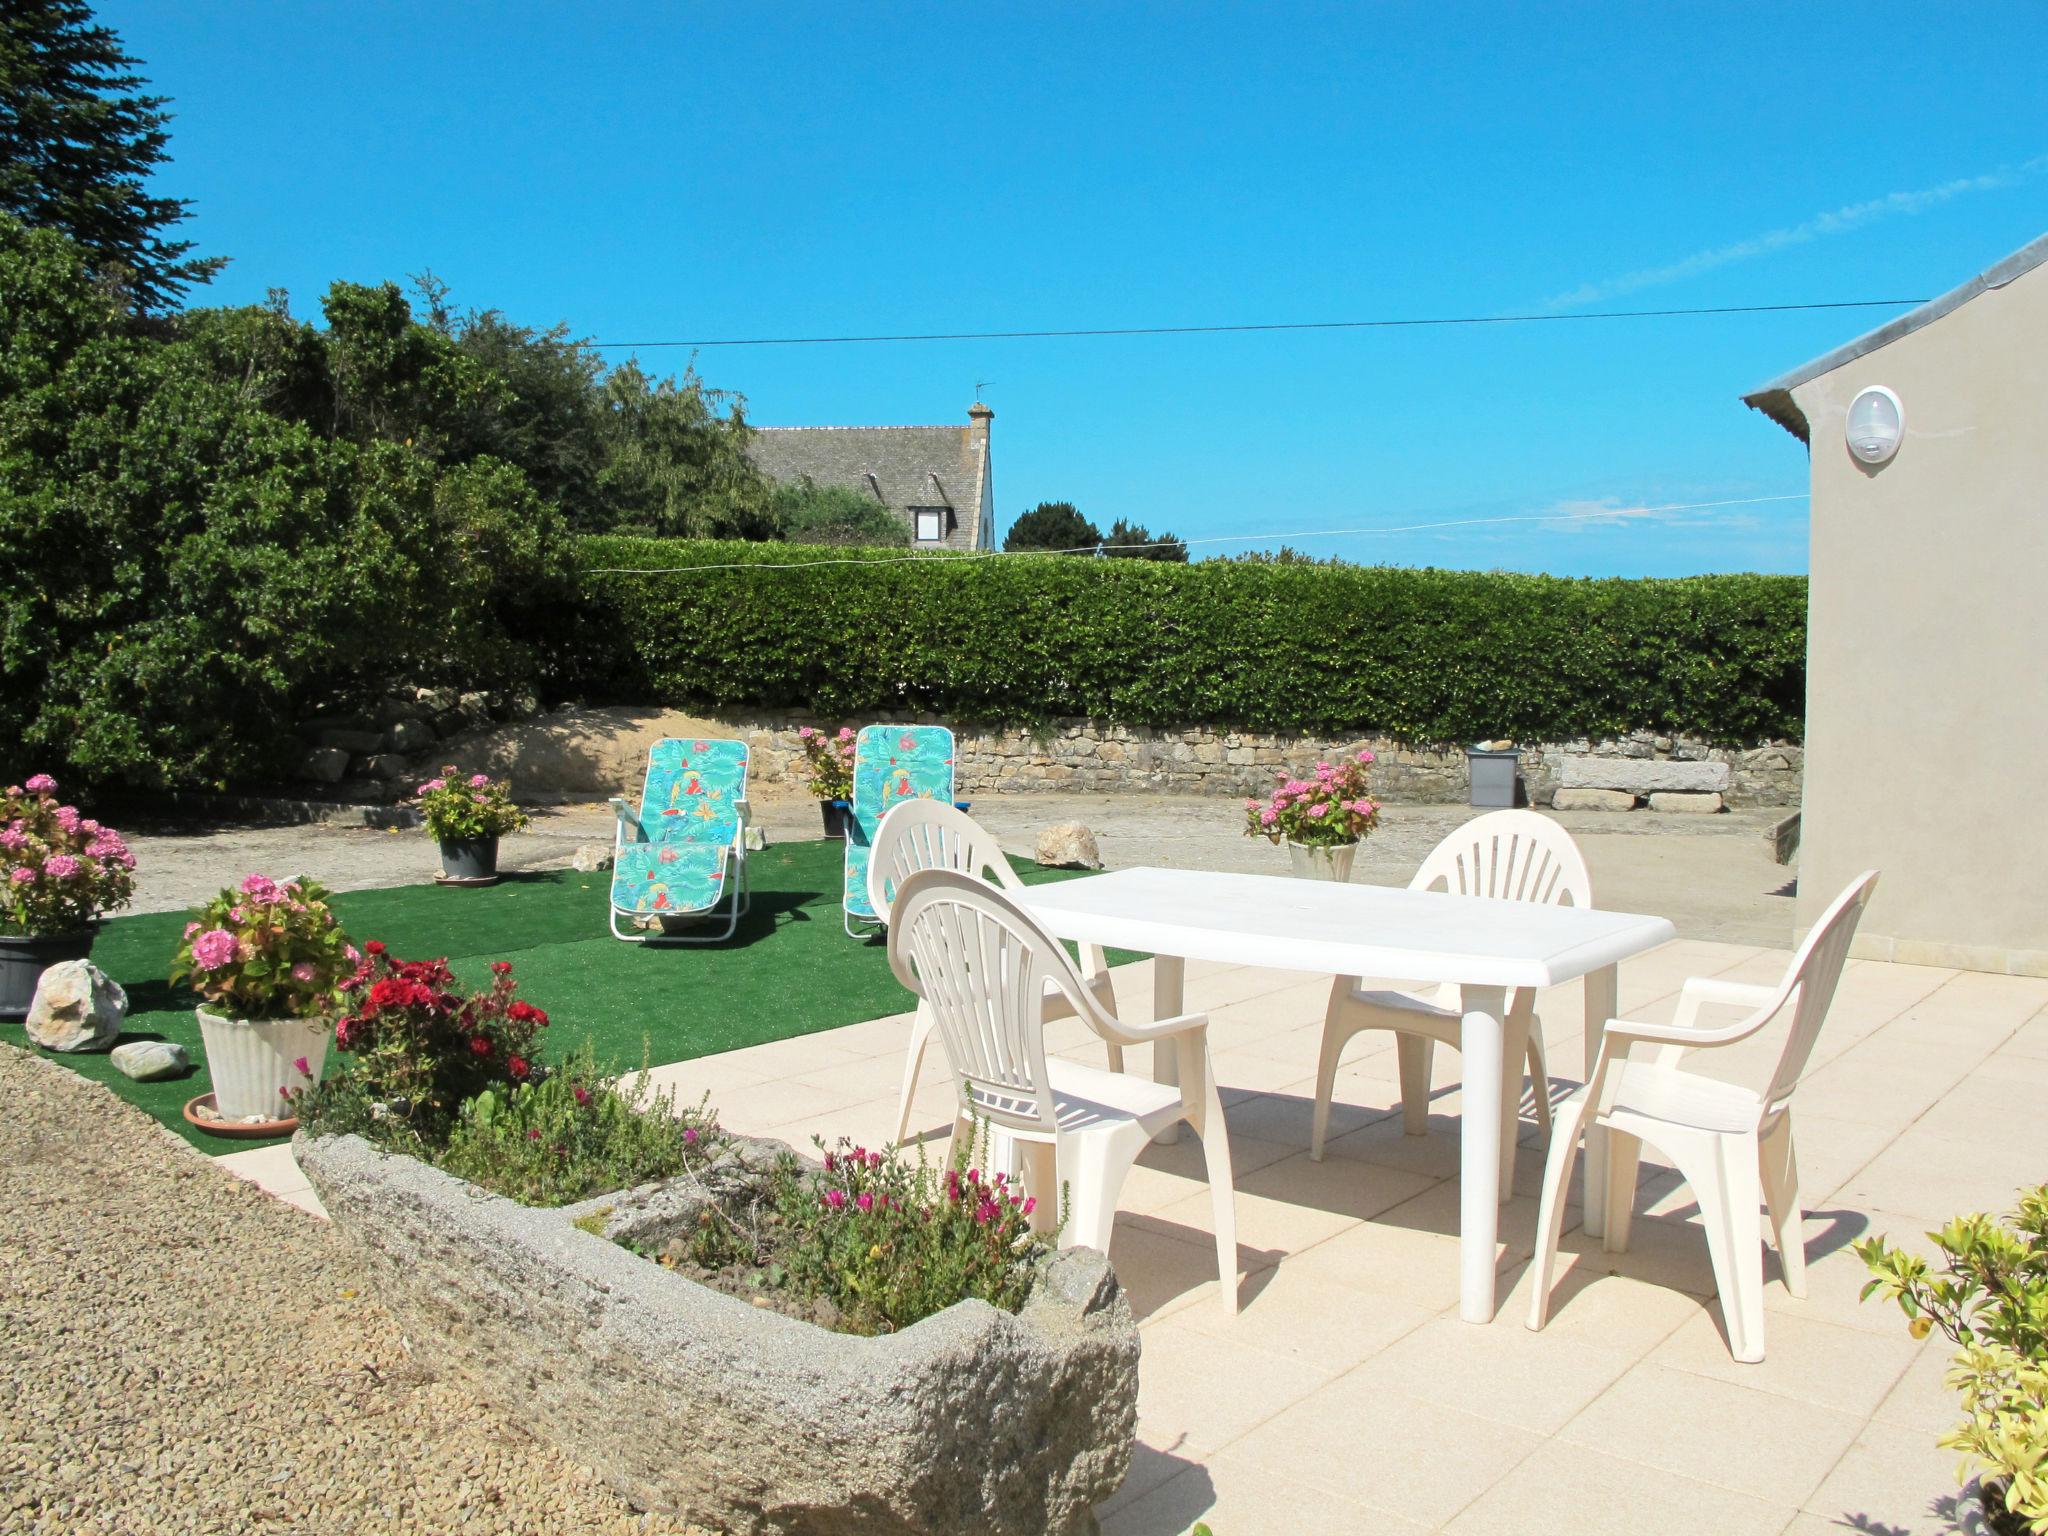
pixel 693 1402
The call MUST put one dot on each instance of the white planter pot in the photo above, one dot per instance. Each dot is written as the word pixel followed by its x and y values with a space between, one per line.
pixel 1322 863
pixel 253 1062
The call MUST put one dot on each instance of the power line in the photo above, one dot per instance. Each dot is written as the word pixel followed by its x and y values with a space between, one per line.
pixel 1297 325
pixel 1609 514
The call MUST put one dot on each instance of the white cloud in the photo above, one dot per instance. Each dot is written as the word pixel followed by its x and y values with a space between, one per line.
pixel 1836 222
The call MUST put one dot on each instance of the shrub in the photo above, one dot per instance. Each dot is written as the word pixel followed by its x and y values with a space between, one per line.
pixel 468 810
pixel 58 870
pixel 417 1047
pixel 1991 1300
pixel 828 762
pixel 885 1241
pixel 267 951
pixel 1419 655
pixel 1327 809
pixel 569 1134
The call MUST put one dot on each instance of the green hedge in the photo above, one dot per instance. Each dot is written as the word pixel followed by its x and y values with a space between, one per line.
pixel 1420 655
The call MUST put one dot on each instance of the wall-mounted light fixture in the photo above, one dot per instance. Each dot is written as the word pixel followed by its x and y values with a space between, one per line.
pixel 1876 424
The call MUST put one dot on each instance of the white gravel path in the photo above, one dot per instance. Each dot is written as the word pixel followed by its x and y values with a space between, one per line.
pixel 185 1354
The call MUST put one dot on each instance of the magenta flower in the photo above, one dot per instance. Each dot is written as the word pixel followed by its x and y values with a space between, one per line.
pixel 690 1136
pixel 299 1066
pixel 40 784
pixel 306 971
pixel 866 1201
pixel 835 1199
pixel 213 949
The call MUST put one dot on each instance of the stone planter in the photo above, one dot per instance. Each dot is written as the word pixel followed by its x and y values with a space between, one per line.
pixel 469 858
pixel 695 1403
pixel 1322 863
pixel 24 958
pixel 836 814
pixel 254 1062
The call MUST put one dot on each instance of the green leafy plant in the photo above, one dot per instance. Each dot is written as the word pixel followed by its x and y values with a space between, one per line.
pixel 468 810
pixel 1990 1297
pixel 828 762
pixel 1328 809
pixel 570 1133
pixel 415 1047
pixel 884 1240
pixel 264 950
pixel 1339 651
pixel 58 870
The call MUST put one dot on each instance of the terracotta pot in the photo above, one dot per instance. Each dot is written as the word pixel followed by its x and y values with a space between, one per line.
pixel 469 858
pixel 24 958
pixel 254 1062
pixel 1318 863
pixel 835 814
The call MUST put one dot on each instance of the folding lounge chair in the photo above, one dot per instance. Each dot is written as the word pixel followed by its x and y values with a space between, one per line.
pixel 891 764
pixel 684 852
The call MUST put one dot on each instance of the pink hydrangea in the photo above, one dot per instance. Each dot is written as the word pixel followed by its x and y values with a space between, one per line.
pixel 478 780
pixel 1319 810
pixel 306 971
pixel 431 785
pixel 1268 816
pixel 67 817
pixel 40 784
pixel 1367 757
pixel 805 734
pixel 22 875
pixel 61 866
pixel 262 890
pixel 11 838
pixel 214 948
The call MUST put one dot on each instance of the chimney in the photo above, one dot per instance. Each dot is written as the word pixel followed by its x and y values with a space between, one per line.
pixel 981 416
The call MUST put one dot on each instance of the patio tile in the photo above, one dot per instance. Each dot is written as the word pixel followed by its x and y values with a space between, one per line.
pixel 2031 1039
pixel 1256 1073
pixel 1573 1490
pixel 304 1199
pixel 1163 1269
pixel 1355 1440
pixel 1244 1500
pixel 1198 1391
pixel 1284 1116
pixel 271 1169
pixel 1386 1143
pixel 1846 1369
pixel 1932 1178
pixel 1607 1311
pixel 755 1109
pixel 1332 1191
pixel 1303 1316
pixel 1894 1480
pixel 715 1075
pixel 1500 1371
pixel 802 1054
pixel 1769 1447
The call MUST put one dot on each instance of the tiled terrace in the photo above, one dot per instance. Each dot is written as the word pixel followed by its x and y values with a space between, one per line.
pixel 1348 1395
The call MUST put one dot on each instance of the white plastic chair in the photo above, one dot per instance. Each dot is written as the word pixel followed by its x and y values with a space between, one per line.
pixel 984 967
pixel 1501 856
pixel 929 834
pixel 1732 1144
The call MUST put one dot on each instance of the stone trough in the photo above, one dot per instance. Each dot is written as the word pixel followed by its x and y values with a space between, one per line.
pixel 696 1403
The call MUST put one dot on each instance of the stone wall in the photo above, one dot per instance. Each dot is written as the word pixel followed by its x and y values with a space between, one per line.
pixel 597 752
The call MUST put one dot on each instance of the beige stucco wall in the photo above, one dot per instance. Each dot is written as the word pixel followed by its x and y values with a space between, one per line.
pixel 1929 581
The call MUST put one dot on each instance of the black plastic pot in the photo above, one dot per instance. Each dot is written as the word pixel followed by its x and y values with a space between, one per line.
pixel 835 813
pixel 23 960
pixel 469 858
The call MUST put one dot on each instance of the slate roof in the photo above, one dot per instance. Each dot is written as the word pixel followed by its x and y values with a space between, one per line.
pixel 1775 398
pixel 901 467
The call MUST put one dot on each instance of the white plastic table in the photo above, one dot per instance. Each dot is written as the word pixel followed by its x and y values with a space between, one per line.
pixel 1485 948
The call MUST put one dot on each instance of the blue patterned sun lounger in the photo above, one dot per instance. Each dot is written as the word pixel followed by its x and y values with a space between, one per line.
pixel 684 852
pixel 890 763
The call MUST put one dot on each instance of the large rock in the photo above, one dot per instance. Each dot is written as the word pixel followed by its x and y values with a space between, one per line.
pixel 77 1007
pixel 1678 802
pixel 148 1060
pixel 409 736
pixel 350 740
pixel 325 765
pixel 1644 775
pixel 591 857
pixel 1068 845
pixel 692 1402
pixel 1592 800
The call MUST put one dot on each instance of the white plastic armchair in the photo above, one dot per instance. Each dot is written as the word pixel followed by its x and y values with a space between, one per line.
pixel 928 834
pixel 1733 1144
pixel 984 968
pixel 1501 856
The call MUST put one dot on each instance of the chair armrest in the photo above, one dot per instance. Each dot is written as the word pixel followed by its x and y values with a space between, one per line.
pixel 1139 1034
pixel 1705 992
pixel 628 817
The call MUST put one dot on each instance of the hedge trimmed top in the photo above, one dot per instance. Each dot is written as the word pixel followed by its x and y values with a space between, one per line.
pixel 1419 655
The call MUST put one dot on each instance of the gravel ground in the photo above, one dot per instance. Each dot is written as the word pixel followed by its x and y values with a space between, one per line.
pixel 186 1354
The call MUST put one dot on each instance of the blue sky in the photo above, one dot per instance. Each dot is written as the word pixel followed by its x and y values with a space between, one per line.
pixel 667 171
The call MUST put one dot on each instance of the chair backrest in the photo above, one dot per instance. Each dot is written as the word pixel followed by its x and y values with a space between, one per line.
pixel 1812 976
pixel 982 965
pixel 891 764
pixel 693 789
pixel 1509 856
pixel 931 834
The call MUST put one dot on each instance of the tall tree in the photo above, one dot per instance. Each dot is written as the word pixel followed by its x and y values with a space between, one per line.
pixel 1134 541
pixel 1057 526
pixel 78 141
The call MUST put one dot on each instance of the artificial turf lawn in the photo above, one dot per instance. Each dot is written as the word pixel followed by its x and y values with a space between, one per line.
pixel 789 970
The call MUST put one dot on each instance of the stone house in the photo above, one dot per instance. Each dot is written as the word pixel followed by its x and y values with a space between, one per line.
pixel 1927 701
pixel 936 480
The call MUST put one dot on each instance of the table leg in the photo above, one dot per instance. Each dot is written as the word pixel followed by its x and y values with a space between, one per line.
pixel 1479 1149
pixel 1169 987
pixel 1603 991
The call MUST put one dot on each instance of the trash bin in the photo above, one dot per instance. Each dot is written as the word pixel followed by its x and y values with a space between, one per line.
pixel 1495 774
